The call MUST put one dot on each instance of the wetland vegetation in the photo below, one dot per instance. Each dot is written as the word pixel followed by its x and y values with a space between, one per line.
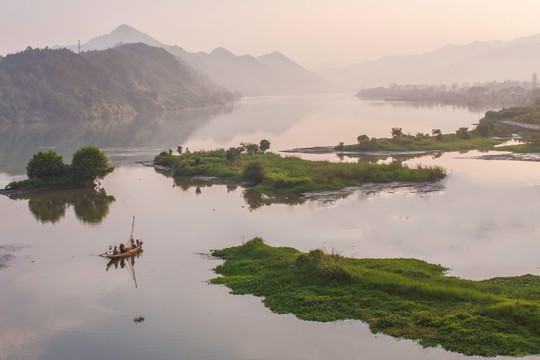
pixel 404 298
pixel 493 129
pixel 251 165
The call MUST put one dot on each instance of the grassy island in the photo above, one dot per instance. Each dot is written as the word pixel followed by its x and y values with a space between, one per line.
pixel 46 170
pixel 404 298
pixel 493 129
pixel 271 173
pixel 460 141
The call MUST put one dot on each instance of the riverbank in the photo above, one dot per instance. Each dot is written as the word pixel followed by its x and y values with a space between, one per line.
pixel 404 298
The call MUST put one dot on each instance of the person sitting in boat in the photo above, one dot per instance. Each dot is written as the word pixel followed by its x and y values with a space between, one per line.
pixel 122 248
pixel 131 243
pixel 115 250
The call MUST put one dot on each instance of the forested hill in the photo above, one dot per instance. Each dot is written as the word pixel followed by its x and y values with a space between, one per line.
pixel 47 84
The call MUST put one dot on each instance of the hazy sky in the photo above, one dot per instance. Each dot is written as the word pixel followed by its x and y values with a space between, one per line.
pixel 311 32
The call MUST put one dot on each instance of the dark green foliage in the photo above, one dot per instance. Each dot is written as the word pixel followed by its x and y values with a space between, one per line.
pixel 61 85
pixel 165 159
pixel 362 139
pixel 264 145
pixel 485 127
pixel 233 153
pixel 463 133
pixel 250 148
pixel 492 115
pixel 27 184
pixel 254 172
pixel 89 164
pixel 47 169
pixel 396 132
pixel 47 166
pixel 405 298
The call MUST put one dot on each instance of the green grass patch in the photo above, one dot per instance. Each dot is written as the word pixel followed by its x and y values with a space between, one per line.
pixel 445 142
pixel 273 174
pixel 404 298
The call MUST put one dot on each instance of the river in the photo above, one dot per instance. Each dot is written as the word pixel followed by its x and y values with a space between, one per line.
pixel 60 300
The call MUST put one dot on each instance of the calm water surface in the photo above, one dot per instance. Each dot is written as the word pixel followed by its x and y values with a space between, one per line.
pixel 60 300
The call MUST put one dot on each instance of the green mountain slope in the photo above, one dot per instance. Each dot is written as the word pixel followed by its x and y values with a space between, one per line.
pixel 60 85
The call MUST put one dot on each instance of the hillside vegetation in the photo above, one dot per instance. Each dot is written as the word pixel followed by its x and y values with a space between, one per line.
pixel 404 298
pixel 46 84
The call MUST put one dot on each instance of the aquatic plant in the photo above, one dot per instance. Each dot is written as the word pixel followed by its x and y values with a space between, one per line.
pixel 404 298
pixel 138 319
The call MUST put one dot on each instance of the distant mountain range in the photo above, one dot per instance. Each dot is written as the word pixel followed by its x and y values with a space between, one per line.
pixel 48 84
pixel 271 74
pixel 476 62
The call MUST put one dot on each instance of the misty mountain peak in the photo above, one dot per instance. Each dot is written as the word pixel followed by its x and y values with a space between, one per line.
pixel 122 34
pixel 276 58
pixel 125 29
pixel 277 54
pixel 222 52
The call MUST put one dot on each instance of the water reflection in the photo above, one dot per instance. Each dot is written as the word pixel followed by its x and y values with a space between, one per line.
pixel 90 206
pixel 6 255
pixel 256 199
pixel 18 142
pixel 474 108
pixel 125 263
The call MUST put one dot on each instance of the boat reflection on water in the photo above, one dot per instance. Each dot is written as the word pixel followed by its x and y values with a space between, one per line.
pixel 125 263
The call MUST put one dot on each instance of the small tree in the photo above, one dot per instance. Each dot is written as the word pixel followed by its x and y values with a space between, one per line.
pixel 437 133
pixel 264 145
pixel 233 153
pixel 179 150
pixel 254 171
pixel 463 132
pixel 362 139
pixel 47 166
pixel 89 164
pixel 396 132
pixel 252 148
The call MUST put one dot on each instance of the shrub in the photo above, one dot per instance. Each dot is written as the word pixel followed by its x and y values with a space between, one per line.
pixel 254 172
pixel 47 166
pixel 463 133
pixel 89 164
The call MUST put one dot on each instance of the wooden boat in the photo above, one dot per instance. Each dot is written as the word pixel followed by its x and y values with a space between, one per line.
pixel 130 250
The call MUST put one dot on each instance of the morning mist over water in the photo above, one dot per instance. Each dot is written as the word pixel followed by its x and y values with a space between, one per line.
pixel 196 76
